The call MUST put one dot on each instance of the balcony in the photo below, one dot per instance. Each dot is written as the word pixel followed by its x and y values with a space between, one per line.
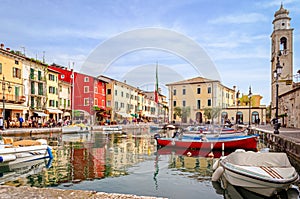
pixel 10 98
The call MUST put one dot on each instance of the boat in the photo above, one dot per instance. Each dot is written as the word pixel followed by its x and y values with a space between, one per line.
pixel 76 128
pixel 22 151
pixel 112 128
pixel 247 142
pixel 265 173
pixel 22 171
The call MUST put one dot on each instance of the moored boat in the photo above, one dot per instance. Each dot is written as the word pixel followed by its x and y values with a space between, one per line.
pixel 248 142
pixel 23 151
pixel 263 173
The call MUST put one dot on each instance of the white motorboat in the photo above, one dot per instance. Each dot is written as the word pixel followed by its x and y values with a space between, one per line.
pixel 263 173
pixel 23 151
pixel 75 129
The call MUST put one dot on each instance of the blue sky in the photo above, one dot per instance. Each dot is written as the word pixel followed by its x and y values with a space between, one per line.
pixel 234 34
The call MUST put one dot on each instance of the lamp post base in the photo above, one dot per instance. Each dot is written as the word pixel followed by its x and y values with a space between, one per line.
pixel 276 131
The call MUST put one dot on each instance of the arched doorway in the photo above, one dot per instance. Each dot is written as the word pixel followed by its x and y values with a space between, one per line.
pixel 199 117
pixel 239 117
pixel 255 117
pixel 224 117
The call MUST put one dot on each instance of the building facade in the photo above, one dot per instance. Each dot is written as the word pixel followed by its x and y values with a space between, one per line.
pixel 288 87
pixel 195 95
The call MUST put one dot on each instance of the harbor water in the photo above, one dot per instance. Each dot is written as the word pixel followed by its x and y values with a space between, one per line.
pixel 121 162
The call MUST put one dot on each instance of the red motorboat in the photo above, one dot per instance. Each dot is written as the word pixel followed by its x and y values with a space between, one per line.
pixel 247 142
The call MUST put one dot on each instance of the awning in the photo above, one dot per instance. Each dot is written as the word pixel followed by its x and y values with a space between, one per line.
pixel 41 114
pixel 66 114
pixel 54 111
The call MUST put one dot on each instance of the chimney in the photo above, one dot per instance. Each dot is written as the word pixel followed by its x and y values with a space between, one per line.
pixel 2 46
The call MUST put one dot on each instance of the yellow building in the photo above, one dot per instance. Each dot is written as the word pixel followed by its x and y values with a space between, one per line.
pixel 194 95
pixel 52 95
pixel 12 89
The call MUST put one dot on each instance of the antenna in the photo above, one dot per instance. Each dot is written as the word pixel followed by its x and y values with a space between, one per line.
pixel 43 56
pixel 23 47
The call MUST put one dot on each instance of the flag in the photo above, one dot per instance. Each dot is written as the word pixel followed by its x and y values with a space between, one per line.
pixel 156 86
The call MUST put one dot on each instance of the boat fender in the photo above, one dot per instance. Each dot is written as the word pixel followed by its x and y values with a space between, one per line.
pixel 216 164
pixel 293 193
pixel 217 174
pixel 7 158
pixel 49 150
pixel 156 136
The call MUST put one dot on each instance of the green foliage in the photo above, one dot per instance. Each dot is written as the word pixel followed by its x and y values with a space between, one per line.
pixel 177 111
pixel 212 113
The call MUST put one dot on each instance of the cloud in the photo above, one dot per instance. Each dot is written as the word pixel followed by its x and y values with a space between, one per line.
pixel 239 19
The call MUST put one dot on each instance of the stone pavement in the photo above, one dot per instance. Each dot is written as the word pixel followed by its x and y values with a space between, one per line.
pixel 287 133
pixel 10 192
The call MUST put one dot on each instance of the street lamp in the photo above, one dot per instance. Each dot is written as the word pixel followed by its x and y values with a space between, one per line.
pixel 277 74
pixel 3 98
pixel 249 96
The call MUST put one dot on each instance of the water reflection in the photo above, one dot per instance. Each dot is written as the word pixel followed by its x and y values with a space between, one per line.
pixel 126 163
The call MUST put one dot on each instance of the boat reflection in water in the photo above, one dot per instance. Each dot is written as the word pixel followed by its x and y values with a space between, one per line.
pixel 25 173
pixel 230 191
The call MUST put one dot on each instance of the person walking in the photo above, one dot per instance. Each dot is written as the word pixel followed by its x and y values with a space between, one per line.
pixel 21 121
pixel 1 123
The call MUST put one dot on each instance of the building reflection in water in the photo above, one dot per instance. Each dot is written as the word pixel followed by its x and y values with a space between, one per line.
pixel 95 155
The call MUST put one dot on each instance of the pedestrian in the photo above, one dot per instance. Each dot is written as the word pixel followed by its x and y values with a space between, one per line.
pixel 1 123
pixel 21 121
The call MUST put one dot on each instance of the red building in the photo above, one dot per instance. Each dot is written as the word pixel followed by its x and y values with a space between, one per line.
pixel 88 95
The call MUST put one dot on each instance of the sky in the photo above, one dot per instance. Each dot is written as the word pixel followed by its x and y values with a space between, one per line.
pixel 228 40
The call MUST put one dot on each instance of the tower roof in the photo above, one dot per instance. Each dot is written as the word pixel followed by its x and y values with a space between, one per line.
pixel 281 11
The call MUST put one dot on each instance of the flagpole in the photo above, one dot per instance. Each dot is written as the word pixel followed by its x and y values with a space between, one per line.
pixel 156 91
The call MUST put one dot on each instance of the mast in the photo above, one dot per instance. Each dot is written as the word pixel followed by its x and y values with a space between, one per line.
pixel 73 100
pixel 156 91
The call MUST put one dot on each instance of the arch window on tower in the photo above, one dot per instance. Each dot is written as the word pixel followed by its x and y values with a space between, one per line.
pixel 283 45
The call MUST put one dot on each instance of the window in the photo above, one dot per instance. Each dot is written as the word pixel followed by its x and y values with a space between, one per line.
pixel 62 76
pixel 51 103
pixel 86 89
pixel 209 102
pixel 109 91
pixel 16 72
pixel 116 92
pixel 183 91
pixel 39 75
pixel 122 94
pixel 40 89
pixel 174 103
pixel 116 105
pixel 51 77
pixel 0 68
pixel 198 104
pixel 96 90
pixel 86 79
pixel 108 103
pixel 95 102
pixel 122 105
pixel 174 92
pixel 31 73
pixel 86 102
pixel 103 103
pixel 198 90
pixel 16 62
pixel 32 88
pixel 52 89
pixel 209 90
pixel 183 103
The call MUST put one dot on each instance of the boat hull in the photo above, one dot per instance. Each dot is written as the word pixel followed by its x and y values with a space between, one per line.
pixel 17 155
pixel 245 142
pixel 263 173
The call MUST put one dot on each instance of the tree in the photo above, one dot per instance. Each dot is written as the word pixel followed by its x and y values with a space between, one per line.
pixel 212 113
pixel 182 112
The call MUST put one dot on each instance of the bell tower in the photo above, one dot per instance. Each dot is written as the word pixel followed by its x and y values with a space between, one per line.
pixel 282 50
